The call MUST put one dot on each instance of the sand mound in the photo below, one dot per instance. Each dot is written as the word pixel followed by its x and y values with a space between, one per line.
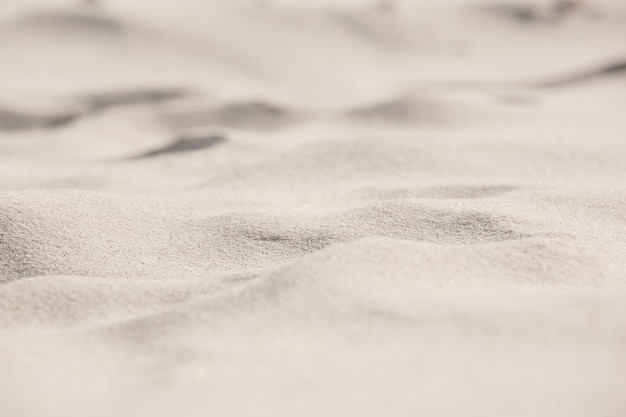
pixel 312 208
pixel 437 109
pixel 57 234
pixel 252 115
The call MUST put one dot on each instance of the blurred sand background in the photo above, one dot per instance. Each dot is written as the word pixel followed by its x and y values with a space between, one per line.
pixel 312 208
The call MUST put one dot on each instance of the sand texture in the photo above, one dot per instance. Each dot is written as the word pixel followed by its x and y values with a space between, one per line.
pixel 312 208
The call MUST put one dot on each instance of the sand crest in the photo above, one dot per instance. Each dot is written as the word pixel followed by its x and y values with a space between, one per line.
pixel 342 208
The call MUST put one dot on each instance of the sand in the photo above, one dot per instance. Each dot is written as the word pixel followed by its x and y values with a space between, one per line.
pixel 339 208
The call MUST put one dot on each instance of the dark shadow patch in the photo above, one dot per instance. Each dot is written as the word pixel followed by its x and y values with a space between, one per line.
pixel 15 120
pixel 88 21
pixel 185 143
pixel 254 115
pixel 404 110
pixel 404 220
pixel 525 13
pixel 12 120
pixel 100 101
pixel 613 69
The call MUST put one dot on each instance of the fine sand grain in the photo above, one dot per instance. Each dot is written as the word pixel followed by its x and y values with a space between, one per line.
pixel 312 208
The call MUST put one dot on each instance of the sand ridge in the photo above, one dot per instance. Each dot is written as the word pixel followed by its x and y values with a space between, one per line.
pixel 351 208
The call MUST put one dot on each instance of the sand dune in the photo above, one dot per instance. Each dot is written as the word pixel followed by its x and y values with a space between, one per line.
pixel 312 208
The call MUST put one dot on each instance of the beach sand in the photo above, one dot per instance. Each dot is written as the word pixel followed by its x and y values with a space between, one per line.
pixel 312 208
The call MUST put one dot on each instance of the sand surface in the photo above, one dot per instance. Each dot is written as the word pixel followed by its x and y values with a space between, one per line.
pixel 312 208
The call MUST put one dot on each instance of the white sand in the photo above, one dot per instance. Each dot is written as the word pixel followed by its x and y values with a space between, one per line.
pixel 313 208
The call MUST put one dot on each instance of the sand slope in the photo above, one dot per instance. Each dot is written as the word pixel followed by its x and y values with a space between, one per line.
pixel 312 208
